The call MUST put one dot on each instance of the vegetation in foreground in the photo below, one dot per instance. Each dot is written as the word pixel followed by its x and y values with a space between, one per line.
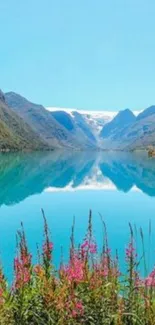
pixel 89 290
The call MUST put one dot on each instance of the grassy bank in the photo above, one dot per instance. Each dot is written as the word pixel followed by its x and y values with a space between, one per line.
pixel 89 290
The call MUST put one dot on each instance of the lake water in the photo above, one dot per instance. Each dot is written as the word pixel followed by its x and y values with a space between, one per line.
pixel 120 186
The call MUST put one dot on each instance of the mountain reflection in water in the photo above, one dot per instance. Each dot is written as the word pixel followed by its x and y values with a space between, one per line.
pixel 25 174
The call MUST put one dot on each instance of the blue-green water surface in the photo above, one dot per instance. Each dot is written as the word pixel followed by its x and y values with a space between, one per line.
pixel 120 186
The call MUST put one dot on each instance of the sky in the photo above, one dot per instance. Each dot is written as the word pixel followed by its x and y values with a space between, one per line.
pixel 86 54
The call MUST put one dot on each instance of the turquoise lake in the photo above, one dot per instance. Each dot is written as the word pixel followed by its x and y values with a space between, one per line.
pixel 120 186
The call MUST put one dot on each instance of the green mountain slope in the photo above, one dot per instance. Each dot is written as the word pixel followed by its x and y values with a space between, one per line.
pixel 41 120
pixel 7 138
pixel 15 134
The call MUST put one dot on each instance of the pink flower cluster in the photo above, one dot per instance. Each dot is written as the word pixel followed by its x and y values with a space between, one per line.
pixel 74 271
pixel 130 251
pixel 22 270
pixel 78 309
pixel 47 249
pixel 102 269
pixel 88 246
pixel 150 280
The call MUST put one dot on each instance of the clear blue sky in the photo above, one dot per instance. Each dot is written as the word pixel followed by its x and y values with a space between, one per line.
pixel 91 54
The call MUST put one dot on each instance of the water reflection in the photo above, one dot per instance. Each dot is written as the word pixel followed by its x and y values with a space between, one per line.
pixel 25 174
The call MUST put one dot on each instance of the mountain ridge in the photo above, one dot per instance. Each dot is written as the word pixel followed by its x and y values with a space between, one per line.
pixel 139 134
pixel 23 121
pixel 41 120
pixel 15 134
pixel 123 119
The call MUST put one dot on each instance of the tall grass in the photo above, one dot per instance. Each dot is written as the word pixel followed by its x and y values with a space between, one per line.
pixel 89 289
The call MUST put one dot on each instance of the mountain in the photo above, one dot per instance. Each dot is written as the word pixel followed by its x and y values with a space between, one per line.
pixel 85 126
pixel 112 133
pixel 53 129
pixel 40 120
pixel 94 119
pixel 23 121
pixel 130 132
pixel 146 113
pixel 15 134
pixel 64 118
pixel 77 126
pixel 120 121
pixel 141 135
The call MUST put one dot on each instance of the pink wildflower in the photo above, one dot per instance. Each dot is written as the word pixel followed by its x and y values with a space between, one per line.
pixel 79 306
pixel 47 249
pixel 90 247
pixel 78 309
pixel 130 251
pixel 93 248
pixel 102 269
pixel 85 244
pixel 107 251
pixel 74 313
pixel 150 280
pixel 22 270
pixel 138 281
pixel 74 271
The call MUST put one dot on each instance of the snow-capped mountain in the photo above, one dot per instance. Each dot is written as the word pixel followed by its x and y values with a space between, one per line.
pixel 95 119
pixel 89 127
pixel 79 129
